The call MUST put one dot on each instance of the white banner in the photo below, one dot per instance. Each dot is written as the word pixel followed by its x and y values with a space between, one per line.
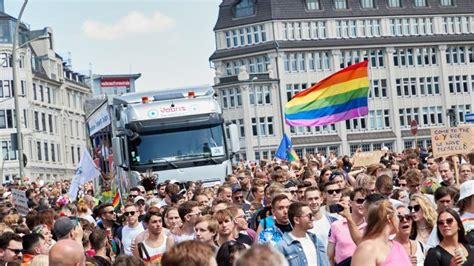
pixel 21 201
pixel 98 120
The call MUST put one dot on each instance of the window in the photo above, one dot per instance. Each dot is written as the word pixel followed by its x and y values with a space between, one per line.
pixel 447 2
pixel 461 110
pixel 367 3
pixel 313 5
pixel 46 153
pixel 340 4
pixel 241 126
pixel 53 154
pixel 41 93
pixel 228 39
pixel 254 126
pixel 350 57
pixel 43 121
pixel 356 124
pixel 431 116
pixel 38 151
pixel 394 3
pixel 58 149
pixel 265 126
pixel 292 90
pixel 72 156
pixel 378 89
pixel 420 3
pixel 379 119
pixel 50 122
pixel 458 84
pixel 456 55
pixel 36 116
pixel 244 8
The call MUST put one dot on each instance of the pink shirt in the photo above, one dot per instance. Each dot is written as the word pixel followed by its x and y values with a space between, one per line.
pixel 341 238
pixel 397 256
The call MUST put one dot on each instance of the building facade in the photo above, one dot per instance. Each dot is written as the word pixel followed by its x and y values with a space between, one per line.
pixel 421 58
pixel 51 103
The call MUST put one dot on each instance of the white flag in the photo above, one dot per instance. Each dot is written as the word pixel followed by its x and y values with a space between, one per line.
pixel 85 172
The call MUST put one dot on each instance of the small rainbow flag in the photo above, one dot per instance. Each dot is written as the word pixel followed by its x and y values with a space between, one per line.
pixel 339 97
pixel 116 201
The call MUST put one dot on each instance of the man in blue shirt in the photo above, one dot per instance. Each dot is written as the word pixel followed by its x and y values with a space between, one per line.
pixel 274 231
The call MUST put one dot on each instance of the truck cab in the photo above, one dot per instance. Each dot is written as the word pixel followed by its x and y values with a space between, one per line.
pixel 177 134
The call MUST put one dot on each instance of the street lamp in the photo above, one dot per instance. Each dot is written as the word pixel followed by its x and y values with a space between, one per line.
pixel 15 89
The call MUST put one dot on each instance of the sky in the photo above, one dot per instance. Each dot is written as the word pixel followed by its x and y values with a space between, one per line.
pixel 168 41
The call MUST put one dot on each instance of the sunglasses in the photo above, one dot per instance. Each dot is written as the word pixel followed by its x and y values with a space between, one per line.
pixel 132 196
pixel 360 201
pixel 403 185
pixel 448 221
pixel 406 217
pixel 331 191
pixel 309 215
pixel 415 208
pixel 110 212
pixel 16 251
pixel 293 191
pixel 129 213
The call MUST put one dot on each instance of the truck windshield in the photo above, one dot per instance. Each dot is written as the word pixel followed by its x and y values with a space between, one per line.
pixel 178 144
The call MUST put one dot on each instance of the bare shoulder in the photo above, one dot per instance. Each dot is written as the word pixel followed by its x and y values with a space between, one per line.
pixel 367 245
pixel 364 254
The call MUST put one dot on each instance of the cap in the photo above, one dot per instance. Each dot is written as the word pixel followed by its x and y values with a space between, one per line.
pixel 290 183
pixel 138 198
pixel 63 226
pixel 6 194
pixel 236 188
pixel 466 189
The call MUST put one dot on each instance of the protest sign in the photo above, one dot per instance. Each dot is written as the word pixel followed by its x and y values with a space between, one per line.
pixel 367 158
pixel 454 140
pixel 21 201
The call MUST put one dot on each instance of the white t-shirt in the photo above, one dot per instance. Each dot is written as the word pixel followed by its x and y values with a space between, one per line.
pixel 321 229
pixel 309 249
pixel 128 235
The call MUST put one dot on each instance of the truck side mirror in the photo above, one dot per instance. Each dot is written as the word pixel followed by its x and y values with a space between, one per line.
pixel 234 138
pixel 118 151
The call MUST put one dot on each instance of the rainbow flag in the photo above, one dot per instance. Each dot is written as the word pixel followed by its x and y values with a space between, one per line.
pixel 339 97
pixel 116 201
pixel 285 151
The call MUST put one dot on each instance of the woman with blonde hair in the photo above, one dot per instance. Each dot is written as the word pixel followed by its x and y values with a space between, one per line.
pixel 366 181
pixel 424 217
pixel 376 248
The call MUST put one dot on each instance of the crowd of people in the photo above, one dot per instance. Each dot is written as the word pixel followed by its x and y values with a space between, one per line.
pixel 409 209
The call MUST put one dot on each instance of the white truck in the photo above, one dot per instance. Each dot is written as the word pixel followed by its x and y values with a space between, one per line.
pixel 177 134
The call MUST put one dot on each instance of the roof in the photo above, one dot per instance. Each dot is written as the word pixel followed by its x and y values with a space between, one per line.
pixel 111 76
pixel 295 9
pixel 167 94
pixel 328 43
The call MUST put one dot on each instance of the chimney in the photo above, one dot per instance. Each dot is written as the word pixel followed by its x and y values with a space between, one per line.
pixel 2 6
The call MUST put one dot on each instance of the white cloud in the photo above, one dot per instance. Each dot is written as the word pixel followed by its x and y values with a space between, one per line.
pixel 133 23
